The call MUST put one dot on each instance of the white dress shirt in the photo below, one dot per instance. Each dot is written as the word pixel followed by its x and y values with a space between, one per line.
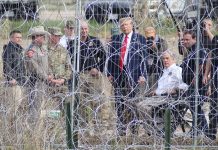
pixel 64 39
pixel 127 47
pixel 171 79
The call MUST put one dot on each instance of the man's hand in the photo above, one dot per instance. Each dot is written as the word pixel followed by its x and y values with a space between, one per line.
pixel 94 72
pixel 174 91
pixel 50 77
pixel 13 82
pixel 152 93
pixel 205 79
pixel 141 80
pixel 207 30
pixel 30 53
pixel 57 82
pixel 110 78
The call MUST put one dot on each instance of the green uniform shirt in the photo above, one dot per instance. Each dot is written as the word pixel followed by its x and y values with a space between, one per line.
pixel 59 62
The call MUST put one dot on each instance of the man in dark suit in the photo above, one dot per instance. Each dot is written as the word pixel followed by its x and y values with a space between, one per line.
pixel 126 70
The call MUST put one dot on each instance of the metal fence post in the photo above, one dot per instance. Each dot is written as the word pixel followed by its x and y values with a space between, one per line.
pixel 167 122
pixel 68 125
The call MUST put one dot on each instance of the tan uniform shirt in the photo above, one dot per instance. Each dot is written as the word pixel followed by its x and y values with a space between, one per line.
pixel 38 64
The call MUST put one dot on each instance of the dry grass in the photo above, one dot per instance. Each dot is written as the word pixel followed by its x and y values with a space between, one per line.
pixel 130 142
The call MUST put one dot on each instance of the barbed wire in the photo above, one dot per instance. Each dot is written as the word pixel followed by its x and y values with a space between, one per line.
pixel 37 119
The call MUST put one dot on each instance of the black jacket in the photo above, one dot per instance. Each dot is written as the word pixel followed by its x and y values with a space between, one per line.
pixel 154 62
pixel 189 64
pixel 92 54
pixel 13 64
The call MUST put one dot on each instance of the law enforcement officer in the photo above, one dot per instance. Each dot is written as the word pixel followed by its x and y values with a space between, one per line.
pixel 15 100
pixel 38 70
pixel 94 87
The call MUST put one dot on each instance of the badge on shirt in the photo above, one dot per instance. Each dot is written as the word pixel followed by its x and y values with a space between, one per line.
pixel 90 43
pixel 42 52
pixel 150 61
pixel 170 73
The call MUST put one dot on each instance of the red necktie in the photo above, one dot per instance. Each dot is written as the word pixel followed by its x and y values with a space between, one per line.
pixel 122 52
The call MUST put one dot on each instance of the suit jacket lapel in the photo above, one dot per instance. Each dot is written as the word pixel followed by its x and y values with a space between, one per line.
pixel 120 42
pixel 121 39
pixel 133 39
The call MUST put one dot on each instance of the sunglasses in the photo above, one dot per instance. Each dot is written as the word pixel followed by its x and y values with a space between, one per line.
pixel 70 28
pixel 150 38
pixel 39 35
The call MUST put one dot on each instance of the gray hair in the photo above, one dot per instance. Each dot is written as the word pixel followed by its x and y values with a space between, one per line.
pixel 83 23
pixel 171 53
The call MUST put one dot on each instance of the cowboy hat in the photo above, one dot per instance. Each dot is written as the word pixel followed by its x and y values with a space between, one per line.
pixel 37 30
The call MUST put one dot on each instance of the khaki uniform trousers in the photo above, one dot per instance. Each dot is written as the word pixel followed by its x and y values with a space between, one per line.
pixel 48 99
pixel 15 103
pixel 15 99
pixel 95 93
pixel 37 119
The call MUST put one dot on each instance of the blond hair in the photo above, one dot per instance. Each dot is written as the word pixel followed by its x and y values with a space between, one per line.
pixel 125 19
pixel 150 31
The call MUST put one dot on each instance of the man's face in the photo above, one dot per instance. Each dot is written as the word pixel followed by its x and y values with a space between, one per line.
pixel 126 26
pixel 69 31
pixel 39 39
pixel 84 31
pixel 16 38
pixel 55 39
pixel 188 41
pixel 167 60
pixel 208 24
